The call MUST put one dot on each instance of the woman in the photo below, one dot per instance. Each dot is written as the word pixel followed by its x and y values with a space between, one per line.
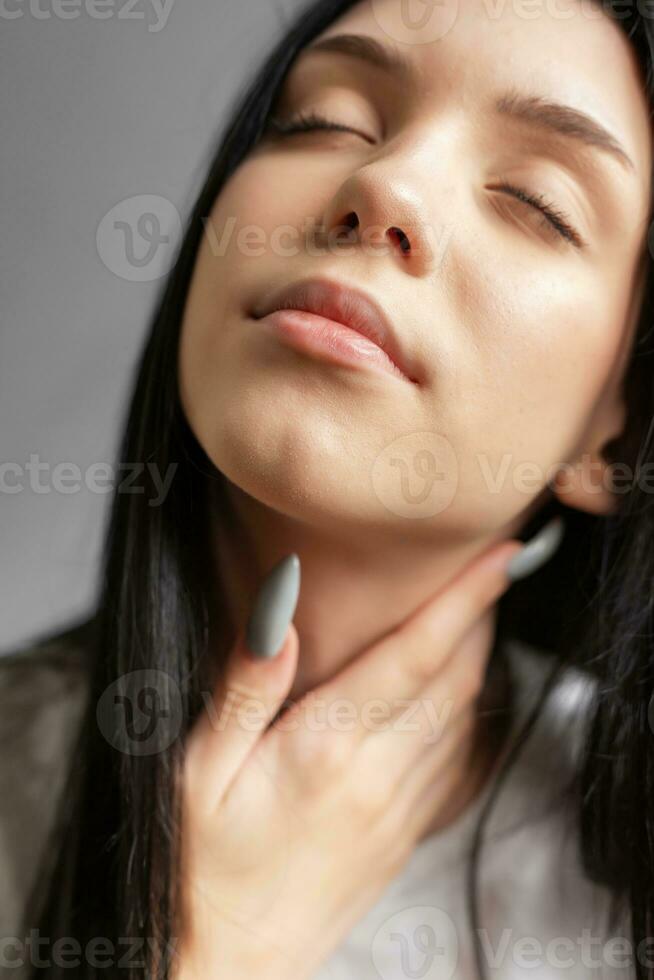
pixel 416 179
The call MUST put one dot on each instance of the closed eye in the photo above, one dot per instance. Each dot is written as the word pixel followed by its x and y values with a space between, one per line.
pixel 555 219
pixel 303 122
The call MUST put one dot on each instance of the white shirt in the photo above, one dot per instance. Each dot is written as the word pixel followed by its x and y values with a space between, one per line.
pixel 540 917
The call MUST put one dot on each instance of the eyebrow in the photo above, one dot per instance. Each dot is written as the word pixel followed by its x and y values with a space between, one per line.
pixel 368 49
pixel 534 110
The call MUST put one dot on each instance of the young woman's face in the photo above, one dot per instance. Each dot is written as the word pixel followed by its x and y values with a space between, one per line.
pixel 517 332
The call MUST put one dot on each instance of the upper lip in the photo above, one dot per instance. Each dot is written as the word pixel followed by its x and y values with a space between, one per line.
pixel 344 304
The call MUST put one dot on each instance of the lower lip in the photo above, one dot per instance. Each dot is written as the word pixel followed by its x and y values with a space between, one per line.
pixel 329 340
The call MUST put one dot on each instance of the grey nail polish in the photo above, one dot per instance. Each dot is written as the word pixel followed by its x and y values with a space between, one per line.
pixel 537 551
pixel 273 608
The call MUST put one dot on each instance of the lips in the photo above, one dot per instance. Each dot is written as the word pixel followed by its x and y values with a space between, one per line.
pixel 346 305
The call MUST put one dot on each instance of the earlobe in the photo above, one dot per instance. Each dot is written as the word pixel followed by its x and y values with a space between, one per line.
pixel 587 485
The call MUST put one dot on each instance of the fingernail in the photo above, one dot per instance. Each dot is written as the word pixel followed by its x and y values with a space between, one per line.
pixel 273 608
pixel 536 552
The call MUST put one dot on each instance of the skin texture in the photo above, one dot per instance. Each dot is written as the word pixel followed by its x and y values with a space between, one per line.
pixel 520 337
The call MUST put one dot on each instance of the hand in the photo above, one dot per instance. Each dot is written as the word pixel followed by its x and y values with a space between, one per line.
pixel 291 831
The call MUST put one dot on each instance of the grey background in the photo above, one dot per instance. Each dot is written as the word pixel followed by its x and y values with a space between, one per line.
pixel 94 112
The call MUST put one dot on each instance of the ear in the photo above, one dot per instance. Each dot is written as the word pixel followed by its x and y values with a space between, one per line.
pixel 587 483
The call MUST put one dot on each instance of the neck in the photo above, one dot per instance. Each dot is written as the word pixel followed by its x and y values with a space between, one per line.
pixel 352 592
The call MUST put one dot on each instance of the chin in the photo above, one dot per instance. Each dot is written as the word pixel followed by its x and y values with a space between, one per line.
pixel 279 465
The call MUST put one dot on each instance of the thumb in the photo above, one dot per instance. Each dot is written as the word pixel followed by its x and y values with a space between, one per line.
pixel 258 676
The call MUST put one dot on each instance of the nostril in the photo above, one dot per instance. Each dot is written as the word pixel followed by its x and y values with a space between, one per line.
pixel 405 244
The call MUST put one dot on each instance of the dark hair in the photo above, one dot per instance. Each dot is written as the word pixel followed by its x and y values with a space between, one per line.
pixel 113 869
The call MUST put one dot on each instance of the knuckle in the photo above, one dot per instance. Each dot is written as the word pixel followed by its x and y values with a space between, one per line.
pixel 423 663
pixel 369 795
pixel 369 786
pixel 239 695
pixel 333 752
pixel 322 753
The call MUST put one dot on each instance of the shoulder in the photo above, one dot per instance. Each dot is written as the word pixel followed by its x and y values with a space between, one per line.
pixel 52 664
pixel 43 691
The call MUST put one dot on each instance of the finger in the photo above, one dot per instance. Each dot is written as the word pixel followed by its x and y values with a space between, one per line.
pixel 407 658
pixel 452 747
pixel 436 793
pixel 434 776
pixel 421 722
pixel 431 805
pixel 451 743
pixel 237 715
pixel 419 816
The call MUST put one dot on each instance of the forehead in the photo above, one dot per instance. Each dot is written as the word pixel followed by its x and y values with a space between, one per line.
pixel 465 50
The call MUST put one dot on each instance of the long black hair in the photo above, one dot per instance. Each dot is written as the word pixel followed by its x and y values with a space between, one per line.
pixel 112 869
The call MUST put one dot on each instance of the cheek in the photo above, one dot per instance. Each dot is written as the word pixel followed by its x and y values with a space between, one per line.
pixel 272 191
pixel 227 252
pixel 539 350
pixel 255 228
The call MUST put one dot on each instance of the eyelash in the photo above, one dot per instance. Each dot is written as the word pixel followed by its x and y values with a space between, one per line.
pixel 556 219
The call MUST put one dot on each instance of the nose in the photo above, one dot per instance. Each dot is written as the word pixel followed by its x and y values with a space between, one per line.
pixel 382 215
